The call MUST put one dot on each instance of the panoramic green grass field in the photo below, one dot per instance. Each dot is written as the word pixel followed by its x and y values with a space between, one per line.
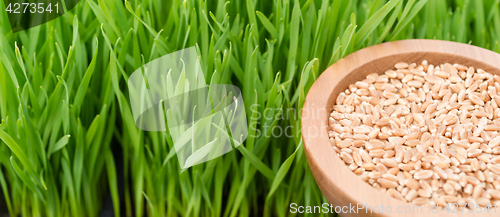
pixel 67 119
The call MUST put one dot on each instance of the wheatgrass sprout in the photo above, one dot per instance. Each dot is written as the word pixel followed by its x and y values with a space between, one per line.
pixel 55 136
pixel 64 98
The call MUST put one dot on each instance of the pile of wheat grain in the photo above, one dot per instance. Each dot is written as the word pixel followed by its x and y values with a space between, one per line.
pixel 423 134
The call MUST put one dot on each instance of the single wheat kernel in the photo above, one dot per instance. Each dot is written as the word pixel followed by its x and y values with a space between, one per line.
pixel 387 183
pixel 495 194
pixel 483 202
pixel 477 191
pixel 421 201
pixel 412 194
pixel 450 199
pixel 424 174
pixel 468 189
pixel 448 189
pixel 401 65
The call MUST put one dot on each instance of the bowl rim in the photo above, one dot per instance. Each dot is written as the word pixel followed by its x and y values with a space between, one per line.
pixel 339 185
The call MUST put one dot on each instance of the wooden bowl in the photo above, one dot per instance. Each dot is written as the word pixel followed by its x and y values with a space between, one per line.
pixel 340 186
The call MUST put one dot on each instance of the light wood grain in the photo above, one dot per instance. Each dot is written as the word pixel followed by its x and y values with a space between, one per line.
pixel 339 185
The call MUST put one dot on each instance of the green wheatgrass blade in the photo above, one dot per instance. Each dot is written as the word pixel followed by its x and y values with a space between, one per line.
pixel 129 8
pixel 294 40
pixel 109 18
pixel 78 158
pixel 347 36
pixel 285 167
pixel 479 24
pixel 8 66
pixel 371 24
pixel 58 145
pixel 251 15
pixel 253 123
pixel 406 20
pixel 18 152
pixel 392 19
pixel 112 179
pixel 267 24
pixel 406 10
pixel 199 154
pixel 92 130
pixel 306 72
pixel 5 191
pixel 26 179
pixel 496 24
pixel 84 85
pixel 430 19
pixel 258 164
pixel 336 52
pixel 150 205
pixel 251 64
pixel 372 9
pixel 70 187
pixel 263 141
pixel 271 101
pixel 204 193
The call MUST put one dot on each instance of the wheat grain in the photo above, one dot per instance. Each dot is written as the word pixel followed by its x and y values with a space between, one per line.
pixel 423 134
pixel 401 65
